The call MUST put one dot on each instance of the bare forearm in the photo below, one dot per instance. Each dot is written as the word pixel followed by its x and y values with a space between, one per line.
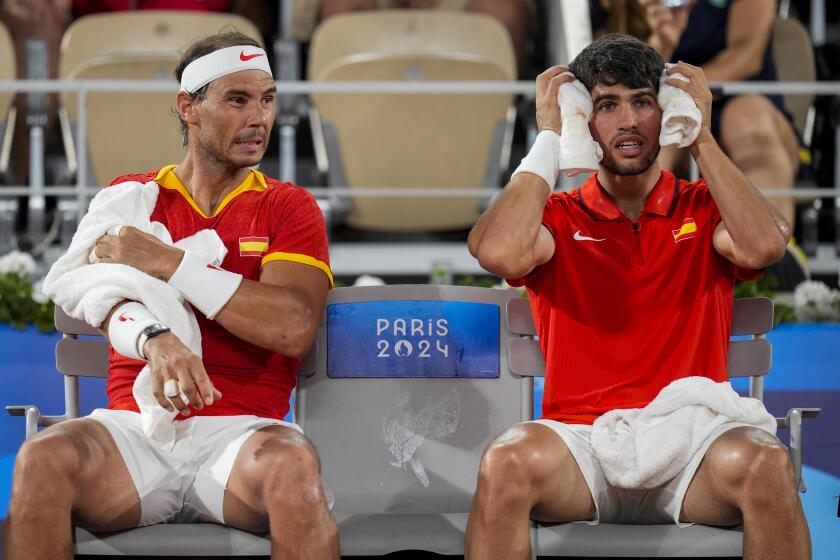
pixel 504 239
pixel 758 232
pixel 733 65
pixel 748 30
pixel 278 318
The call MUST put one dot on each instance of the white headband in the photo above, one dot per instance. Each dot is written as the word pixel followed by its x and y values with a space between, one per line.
pixel 222 62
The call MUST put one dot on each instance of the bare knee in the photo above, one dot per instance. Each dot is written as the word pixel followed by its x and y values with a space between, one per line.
pixel 46 467
pixel 754 468
pixel 748 129
pixel 289 469
pixel 510 471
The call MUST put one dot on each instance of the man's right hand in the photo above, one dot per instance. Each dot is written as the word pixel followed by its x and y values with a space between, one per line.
pixel 170 359
pixel 548 110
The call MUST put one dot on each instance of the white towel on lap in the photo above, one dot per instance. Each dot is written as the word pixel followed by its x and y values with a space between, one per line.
pixel 681 119
pixel 578 151
pixel 647 447
pixel 89 291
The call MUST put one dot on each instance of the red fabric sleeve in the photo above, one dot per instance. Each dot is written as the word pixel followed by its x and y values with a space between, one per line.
pixel 299 234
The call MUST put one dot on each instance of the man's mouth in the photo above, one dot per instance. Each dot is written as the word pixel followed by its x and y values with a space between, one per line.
pixel 249 143
pixel 629 147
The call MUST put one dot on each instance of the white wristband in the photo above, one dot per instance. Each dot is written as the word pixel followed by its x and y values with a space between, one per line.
pixel 544 159
pixel 126 327
pixel 205 286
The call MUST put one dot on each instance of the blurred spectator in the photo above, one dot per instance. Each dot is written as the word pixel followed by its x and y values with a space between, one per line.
pixel 731 41
pixel 47 19
pixel 516 15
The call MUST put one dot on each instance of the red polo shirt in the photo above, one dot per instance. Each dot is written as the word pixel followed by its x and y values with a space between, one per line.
pixel 261 221
pixel 623 309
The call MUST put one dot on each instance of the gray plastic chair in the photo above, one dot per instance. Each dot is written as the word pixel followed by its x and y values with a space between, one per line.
pixel 401 453
pixel 751 317
pixel 75 357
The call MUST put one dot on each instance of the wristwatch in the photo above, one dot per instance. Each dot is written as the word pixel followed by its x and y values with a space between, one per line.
pixel 153 330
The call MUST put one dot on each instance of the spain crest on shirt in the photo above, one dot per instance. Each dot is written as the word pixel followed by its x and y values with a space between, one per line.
pixel 687 230
pixel 252 246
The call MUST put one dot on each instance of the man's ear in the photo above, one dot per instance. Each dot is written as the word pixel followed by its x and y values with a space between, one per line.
pixel 188 109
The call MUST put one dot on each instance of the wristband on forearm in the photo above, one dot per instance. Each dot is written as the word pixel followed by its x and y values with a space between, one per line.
pixel 125 329
pixel 544 159
pixel 205 286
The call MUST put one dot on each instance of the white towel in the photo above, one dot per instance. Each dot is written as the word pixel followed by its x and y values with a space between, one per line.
pixel 681 119
pixel 89 291
pixel 647 447
pixel 579 153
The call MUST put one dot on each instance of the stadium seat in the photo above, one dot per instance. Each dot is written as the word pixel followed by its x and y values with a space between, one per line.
pixel 751 357
pixel 8 113
pixel 390 141
pixel 794 55
pixel 399 426
pixel 130 132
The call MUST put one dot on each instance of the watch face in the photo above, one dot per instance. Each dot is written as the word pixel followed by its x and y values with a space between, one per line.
pixel 157 328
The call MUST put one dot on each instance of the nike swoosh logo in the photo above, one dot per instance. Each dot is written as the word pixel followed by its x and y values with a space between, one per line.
pixel 246 57
pixel 579 237
pixel 123 317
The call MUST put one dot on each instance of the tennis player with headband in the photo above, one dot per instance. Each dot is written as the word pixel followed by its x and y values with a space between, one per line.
pixel 235 461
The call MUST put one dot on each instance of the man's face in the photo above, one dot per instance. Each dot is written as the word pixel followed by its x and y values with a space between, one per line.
pixel 235 118
pixel 626 122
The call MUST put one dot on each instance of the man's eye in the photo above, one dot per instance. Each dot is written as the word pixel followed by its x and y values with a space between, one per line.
pixel 607 106
pixel 237 100
pixel 268 99
pixel 643 103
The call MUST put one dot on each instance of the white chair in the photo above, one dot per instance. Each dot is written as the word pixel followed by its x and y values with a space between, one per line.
pixel 400 141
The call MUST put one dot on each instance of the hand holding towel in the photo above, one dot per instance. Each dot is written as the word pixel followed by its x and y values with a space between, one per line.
pixel 578 151
pixel 89 291
pixel 681 119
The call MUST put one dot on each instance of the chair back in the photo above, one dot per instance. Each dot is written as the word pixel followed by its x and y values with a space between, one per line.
pixel 795 61
pixel 133 132
pixel 79 357
pixel 411 384
pixel 404 140
pixel 129 132
pixel 149 32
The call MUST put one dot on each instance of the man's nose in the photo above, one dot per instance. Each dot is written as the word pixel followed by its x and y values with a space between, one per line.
pixel 628 117
pixel 259 115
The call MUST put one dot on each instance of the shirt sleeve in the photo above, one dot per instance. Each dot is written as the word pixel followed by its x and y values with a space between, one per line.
pixel 299 234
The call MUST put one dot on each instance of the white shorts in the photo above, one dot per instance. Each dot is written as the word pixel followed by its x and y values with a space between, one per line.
pixel 653 506
pixel 188 484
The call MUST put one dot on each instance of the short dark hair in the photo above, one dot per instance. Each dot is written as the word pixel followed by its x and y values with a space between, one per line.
pixel 202 47
pixel 618 59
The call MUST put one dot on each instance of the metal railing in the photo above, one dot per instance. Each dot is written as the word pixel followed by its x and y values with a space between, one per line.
pixel 83 190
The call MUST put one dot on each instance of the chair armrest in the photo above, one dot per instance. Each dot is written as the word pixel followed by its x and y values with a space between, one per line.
pixel 32 414
pixel 793 422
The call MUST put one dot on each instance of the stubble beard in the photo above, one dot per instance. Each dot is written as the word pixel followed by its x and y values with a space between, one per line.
pixel 634 167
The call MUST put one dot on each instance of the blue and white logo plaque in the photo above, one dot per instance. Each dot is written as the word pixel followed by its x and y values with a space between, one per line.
pixel 413 338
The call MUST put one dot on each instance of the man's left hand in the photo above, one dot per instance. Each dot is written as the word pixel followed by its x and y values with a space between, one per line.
pixel 698 88
pixel 140 250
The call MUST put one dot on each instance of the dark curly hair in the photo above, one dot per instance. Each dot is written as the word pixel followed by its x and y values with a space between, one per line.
pixel 618 59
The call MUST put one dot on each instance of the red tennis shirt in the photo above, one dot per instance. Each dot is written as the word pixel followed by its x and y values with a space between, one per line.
pixel 262 220
pixel 623 309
